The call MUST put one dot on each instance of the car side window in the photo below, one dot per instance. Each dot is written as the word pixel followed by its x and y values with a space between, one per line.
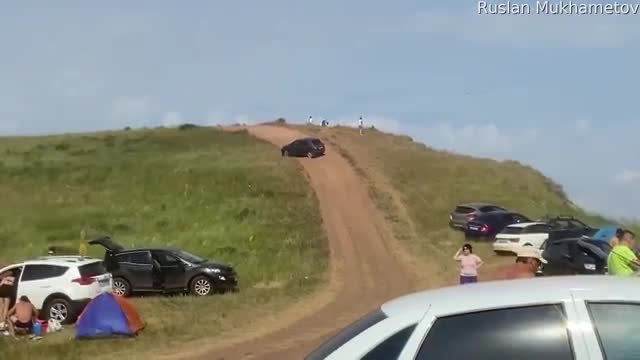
pixel 523 333
pixel 392 347
pixel 617 326
pixel 166 259
pixel 508 218
pixel 576 224
pixel 138 258
pixel 41 272
pixel 537 229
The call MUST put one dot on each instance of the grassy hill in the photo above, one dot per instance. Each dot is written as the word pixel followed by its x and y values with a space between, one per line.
pixel 229 196
pixel 223 195
pixel 417 187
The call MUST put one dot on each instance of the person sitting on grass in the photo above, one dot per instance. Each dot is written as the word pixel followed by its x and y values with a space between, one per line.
pixel 21 317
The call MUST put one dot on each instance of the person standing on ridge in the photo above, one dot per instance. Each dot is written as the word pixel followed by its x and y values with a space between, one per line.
pixel 360 125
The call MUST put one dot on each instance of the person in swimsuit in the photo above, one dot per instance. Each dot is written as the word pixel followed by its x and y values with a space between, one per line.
pixel 22 316
pixel 7 280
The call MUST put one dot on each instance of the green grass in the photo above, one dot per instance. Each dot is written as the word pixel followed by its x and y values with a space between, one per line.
pixel 222 195
pixel 417 187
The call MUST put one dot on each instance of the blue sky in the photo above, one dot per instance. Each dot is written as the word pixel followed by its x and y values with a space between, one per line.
pixel 557 92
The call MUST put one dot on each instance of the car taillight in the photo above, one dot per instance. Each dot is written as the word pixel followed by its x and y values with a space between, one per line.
pixel 84 280
pixel 484 228
pixel 471 216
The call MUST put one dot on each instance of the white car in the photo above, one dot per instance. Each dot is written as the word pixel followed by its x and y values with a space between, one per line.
pixel 516 236
pixel 592 317
pixel 60 286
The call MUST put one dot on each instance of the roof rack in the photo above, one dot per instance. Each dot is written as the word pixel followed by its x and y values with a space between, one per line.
pixel 558 217
pixel 69 257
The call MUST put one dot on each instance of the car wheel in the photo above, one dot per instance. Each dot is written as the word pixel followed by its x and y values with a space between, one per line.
pixel 309 155
pixel 121 287
pixel 58 309
pixel 201 286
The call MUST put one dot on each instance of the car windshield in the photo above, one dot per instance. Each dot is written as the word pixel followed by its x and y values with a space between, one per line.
pixel 316 142
pixel 194 259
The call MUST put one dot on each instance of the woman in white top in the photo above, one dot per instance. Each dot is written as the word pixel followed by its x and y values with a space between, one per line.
pixel 469 264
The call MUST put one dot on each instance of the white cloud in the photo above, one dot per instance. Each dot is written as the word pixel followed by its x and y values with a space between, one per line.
pixel 8 127
pixel 172 118
pixel 529 30
pixel 626 177
pixel 221 118
pixel 583 126
pixel 134 109
pixel 381 122
pixel 482 140
pixel 12 108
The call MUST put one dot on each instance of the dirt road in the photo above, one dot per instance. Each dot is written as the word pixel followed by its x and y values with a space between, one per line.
pixel 365 270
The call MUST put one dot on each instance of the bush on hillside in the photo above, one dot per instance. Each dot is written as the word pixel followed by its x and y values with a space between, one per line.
pixel 63 146
pixel 187 126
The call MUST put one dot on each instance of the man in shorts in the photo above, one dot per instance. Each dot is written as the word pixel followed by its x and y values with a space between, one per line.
pixel 528 261
pixel 21 316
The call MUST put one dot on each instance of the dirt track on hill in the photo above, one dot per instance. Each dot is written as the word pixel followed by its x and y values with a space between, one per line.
pixel 365 266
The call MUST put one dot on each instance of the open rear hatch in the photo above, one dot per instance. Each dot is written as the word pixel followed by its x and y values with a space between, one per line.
pixel 108 243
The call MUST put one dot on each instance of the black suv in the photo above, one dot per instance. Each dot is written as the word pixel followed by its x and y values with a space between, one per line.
pixel 570 224
pixel 164 270
pixel 574 255
pixel 310 147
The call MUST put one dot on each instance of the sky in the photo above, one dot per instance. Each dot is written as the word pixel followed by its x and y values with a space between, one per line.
pixel 557 92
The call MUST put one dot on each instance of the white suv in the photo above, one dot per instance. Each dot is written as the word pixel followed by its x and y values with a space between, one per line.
pixel 60 286
pixel 516 236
